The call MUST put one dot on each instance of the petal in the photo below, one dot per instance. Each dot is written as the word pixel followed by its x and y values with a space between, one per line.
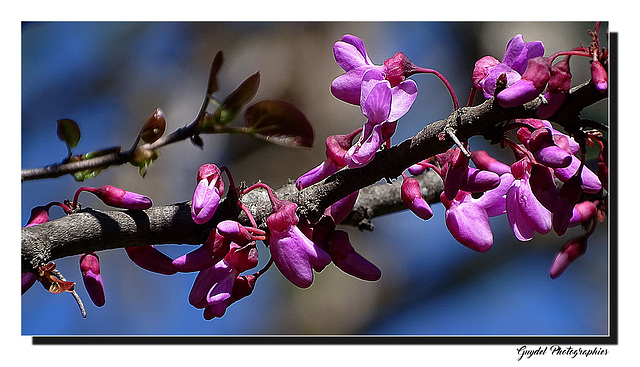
pixel 489 83
pixel 403 96
pixel 479 180
pixel 518 94
pixel 134 201
pixel 205 202
pixel 519 52
pixel 361 154
pixel 469 225
pixel 521 229
pixel 206 280
pixel 356 265
pixel 350 53
pixel 196 260
pixel 538 216
pixel 296 256
pixel 590 182
pixel 95 288
pixel 495 201
pixel 346 87
pixel 152 259
pixel 324 170
pixel 377 104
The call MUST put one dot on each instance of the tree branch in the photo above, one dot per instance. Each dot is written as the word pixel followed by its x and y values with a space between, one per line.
pixel 95 230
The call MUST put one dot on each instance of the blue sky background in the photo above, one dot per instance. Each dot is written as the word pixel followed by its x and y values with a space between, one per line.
pixel 109 77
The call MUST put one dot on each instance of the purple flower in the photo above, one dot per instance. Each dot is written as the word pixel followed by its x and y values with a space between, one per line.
pixel 525 213
pixel 90 268
pixel 412 198
pixel 150 258
pixel 336 149
pixel 487 70
pixel 599 75
pixel 467 218
pixel 348 260
pixel 295 255
pixel 381 105
pixel 213 287
pixel 529 86
pixel 546 151
pixel 559 85
pixel 207 194
pixel 351 55
pixel 570 251
pixel 120 198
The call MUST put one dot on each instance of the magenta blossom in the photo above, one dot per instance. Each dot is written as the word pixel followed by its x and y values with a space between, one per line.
pixel 467 218
pixel 336 149
pixel 116 197
pixel 213 287
pixel 207 194
pixel 529 86
pixel 90 267
pixel 295 255
pixel 382 105
pixel 412 198
pixel 348 260
pixel 150 258
pixel 352 56
pixel 488 70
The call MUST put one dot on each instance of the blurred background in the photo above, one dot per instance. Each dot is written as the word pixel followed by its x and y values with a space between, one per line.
pixel 110 77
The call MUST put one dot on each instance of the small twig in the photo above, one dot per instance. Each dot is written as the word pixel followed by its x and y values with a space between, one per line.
pixel 75 295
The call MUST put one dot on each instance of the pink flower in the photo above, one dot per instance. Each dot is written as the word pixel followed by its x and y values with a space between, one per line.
pixel 412 198
pixel 348 260
pixel 120 198
pixel 90 267
pixel 150 258
pixel 207 194
pixel 295 255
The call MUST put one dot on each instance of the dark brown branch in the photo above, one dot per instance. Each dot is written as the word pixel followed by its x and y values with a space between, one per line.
pixel 94 230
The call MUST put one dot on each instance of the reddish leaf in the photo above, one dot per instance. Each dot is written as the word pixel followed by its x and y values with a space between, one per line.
pixel 279 122
pixel 234 102
pixel 68 132
pixel 212 85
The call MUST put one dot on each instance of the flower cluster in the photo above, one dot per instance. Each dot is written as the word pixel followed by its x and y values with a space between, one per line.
pixel 524 74
pixel 89 262
pixel 548 187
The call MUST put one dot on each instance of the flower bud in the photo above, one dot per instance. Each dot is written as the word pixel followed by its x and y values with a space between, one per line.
pixel 559 85
pixel 412 198
pixel 90 268
pixel 150 258
pixel 545 150
pixel 120 198
pixel 569 252
pixel 599 76
pixel 530 86
pixel 398 68
pixel 348 260
pixel 207 194
pixel 28 279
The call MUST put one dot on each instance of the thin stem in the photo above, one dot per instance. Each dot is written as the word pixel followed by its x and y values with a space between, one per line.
pixel 444 81
pixel 457 141
pixel 75 295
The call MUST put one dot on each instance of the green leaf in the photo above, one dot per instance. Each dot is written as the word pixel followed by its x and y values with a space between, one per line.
pixel 153 129
pixel 231 106
pixel 69 132
pixel 142 158
pixel 279 122
pixel 91 172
